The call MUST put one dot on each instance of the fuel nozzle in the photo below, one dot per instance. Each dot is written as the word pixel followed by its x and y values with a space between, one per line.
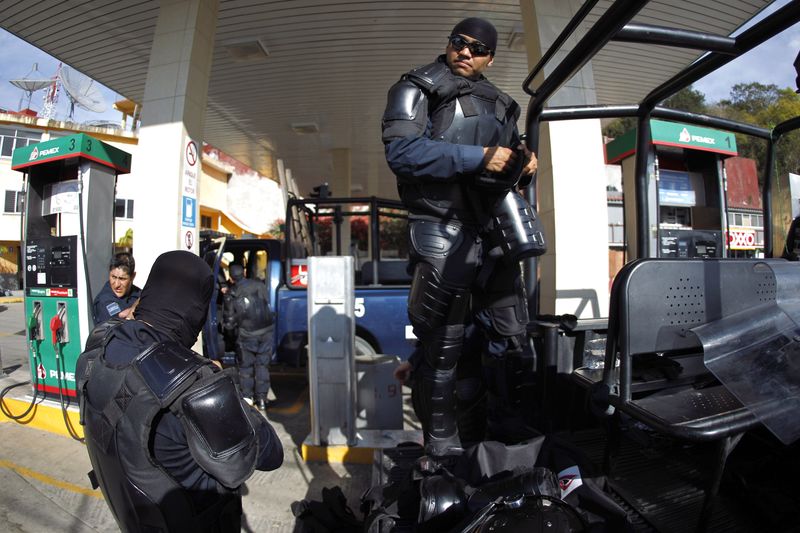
pixel 35 322
pixel 58 324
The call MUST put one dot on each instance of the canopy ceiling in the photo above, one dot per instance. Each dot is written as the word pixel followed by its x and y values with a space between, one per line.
pixel 331 62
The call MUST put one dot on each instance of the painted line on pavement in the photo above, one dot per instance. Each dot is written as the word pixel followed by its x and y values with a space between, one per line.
pixel 46 415
pixel 44 478
pixel 293 409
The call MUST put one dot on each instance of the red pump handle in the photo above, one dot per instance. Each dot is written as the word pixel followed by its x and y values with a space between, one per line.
pixel 55 327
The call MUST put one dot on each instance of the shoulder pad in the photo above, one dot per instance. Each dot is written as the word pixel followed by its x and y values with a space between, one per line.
pixel 219 432
pixel 438 81
pixel 165 367
pixel 403 102
pixel 429 76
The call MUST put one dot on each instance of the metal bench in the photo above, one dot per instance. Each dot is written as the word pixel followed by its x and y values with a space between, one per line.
pixel 657 307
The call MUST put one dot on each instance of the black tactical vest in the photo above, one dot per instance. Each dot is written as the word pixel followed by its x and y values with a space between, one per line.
pixel 461 111
pixel 118 416
pixel 251 306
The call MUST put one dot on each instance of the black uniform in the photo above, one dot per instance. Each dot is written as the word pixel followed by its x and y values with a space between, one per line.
pixel 169 438
pixel 247 312
pixel 107 304
pixel 434 128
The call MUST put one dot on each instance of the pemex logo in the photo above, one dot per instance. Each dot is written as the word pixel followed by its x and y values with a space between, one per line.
pixel 34 154
pixel 685 137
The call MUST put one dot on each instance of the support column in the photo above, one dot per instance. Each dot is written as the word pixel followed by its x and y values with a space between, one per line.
pixel 571 187
pixel 340 186
pixel 167 163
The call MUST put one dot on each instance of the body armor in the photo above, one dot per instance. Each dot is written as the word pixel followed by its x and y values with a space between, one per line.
pixel 463 111
pixel 460 111
pixel 250 307
pixel 453 220
pixel 120 412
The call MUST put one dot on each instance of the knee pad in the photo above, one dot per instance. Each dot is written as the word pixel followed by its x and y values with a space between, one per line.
pixel 432 303
pixel 442 347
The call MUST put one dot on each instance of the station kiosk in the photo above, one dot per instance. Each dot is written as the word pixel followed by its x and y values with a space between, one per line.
pixel 67 241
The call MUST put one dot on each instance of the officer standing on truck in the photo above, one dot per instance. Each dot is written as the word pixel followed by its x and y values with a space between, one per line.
pixel 247 312
pixel 451 139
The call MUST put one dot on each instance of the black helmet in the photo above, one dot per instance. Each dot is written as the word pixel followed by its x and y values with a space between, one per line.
pixel 533 515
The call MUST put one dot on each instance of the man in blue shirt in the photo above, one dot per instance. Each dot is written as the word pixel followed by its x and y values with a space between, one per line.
pixel 119 293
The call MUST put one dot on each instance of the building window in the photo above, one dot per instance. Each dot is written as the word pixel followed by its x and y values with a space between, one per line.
pixel 11 139
pixel 205 222
pixel 14 202
pixel 123 208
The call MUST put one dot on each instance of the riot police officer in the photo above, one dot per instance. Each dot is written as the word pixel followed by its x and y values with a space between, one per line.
pixel 248 314
pixel 451 139
pixel 168 435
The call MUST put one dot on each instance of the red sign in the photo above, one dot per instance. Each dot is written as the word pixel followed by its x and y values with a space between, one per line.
pixel 299 276
pixel 40 371
pixel 741 239
pixel 189 239
pixel 59 292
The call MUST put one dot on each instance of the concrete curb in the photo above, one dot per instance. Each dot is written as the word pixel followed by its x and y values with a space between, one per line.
pixel 45 415
pixel 11 299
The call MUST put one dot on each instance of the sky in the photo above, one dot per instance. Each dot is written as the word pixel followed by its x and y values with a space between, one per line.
pixel 771 62
pixel 16 61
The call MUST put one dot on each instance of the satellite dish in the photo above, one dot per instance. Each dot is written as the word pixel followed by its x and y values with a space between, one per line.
pixel 81 91
pixel 32 82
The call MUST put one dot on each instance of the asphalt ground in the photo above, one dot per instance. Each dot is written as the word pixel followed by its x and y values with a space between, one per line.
pixel 43 472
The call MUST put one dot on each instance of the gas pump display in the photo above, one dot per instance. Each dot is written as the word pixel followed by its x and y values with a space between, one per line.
pixel 67 242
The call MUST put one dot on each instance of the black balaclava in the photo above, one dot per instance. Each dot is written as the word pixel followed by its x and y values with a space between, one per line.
pixel 477 28
pixel 237 272
pixel 176 296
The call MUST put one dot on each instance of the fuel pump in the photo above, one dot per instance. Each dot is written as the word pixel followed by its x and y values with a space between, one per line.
pixel 685 189
pixel 68 242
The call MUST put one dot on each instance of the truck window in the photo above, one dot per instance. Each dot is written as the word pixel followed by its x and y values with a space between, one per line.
pixel 349 227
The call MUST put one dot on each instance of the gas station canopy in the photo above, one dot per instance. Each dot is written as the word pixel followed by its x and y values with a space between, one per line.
pixel 304 77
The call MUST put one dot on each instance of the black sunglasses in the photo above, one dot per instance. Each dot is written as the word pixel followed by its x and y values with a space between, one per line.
pixel 476 48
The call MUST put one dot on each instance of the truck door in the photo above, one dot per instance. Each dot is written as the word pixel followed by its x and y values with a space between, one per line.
pixel 213 344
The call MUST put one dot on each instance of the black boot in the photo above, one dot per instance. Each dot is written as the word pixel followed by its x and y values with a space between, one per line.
pixel 436 398
pixel 260 403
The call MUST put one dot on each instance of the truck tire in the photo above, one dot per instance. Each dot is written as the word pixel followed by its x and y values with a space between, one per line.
pixel 364 347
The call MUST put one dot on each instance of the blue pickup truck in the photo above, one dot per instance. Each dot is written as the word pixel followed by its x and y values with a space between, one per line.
pixel 372 230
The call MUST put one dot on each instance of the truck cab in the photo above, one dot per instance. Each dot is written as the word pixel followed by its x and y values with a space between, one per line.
pixel 371 230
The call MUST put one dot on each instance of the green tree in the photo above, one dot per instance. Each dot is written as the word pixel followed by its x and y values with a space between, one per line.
pixel 751 98
pixel 765 106
pixel 688 99
pixel 126 241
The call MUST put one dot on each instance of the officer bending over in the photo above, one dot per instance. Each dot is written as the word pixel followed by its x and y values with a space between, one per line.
pixel 168 435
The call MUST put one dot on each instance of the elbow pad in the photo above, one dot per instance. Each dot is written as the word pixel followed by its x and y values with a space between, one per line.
pixel 406 111
pixel 220 435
